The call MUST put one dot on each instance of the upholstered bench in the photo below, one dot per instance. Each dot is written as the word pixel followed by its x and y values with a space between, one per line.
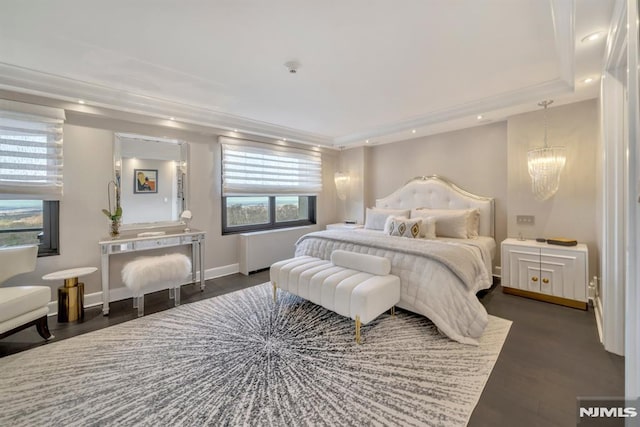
pixel 148 274
pixel 353 285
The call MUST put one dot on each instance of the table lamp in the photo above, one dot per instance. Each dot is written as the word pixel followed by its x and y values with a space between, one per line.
pixel 186 218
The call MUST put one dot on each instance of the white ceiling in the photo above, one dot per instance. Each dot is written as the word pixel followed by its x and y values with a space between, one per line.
pixel 370 69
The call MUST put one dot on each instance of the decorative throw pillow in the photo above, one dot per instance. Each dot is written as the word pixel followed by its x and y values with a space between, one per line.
pixel 387 223
pixel 458 223
pixel 405 227
pixel 376 217
pixel 427 227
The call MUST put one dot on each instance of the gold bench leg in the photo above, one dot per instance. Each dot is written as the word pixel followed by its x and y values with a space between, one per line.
pixel 275 289
pixel 358 329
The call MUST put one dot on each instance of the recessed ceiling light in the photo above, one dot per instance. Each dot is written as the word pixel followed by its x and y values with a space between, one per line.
pixel 593 37
pixel 81 101
pixel 367 141
pixel 413 131
pixel 284 139
pixel 235 130
pixel 172 118
pixel 479 117
pixel 588 80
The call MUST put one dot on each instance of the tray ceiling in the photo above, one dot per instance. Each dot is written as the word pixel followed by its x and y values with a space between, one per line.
pixel 369 70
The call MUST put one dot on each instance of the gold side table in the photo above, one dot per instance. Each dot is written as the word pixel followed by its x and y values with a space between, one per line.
pixel 71 295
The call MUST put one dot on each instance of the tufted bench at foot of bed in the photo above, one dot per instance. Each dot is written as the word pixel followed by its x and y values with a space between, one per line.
pixel 354 285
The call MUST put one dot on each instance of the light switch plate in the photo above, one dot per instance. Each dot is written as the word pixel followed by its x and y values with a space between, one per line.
pixel 525 219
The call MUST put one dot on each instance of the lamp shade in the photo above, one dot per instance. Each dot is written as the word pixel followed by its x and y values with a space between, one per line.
pixel 342 181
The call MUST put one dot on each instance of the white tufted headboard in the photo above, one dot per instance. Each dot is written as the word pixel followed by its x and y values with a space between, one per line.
pixel 437 193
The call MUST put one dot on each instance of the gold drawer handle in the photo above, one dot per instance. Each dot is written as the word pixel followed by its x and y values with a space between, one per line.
pixel 534 279
pixel 545 280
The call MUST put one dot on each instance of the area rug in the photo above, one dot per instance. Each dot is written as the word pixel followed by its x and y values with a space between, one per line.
pixel 240 359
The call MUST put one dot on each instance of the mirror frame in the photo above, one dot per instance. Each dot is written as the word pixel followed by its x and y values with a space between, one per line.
pixel 182 177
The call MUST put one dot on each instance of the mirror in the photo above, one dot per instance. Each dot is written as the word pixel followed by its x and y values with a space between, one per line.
pixel 152 175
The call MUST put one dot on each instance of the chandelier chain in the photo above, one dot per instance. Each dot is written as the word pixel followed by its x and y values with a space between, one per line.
pixel 545 104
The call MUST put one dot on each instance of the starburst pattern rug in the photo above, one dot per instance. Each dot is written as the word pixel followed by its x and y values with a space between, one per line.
pixel 240 359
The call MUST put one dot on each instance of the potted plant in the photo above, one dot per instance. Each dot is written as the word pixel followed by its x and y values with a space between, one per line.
pixel 114 213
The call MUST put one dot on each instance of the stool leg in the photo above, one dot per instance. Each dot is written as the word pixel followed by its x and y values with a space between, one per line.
pixel 141 305
pixel 358 329
pixel 172 293
pixel 393 311
pixel 176 301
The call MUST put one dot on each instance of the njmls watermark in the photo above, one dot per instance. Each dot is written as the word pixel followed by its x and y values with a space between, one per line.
pixel 608 411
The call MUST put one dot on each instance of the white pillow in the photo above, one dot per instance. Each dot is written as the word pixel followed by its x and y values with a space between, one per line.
pixel 372 264
pixel 377 217
pixel 457 223
pixel 404 227
pixel 429 227
pixel 474 223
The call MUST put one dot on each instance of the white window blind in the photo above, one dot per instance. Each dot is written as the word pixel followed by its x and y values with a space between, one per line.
pixel 260 169
pixel 30 152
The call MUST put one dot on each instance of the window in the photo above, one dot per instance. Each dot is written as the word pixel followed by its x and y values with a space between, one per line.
pixel 267 187
pixel 30 175
pixel 246 213
pixel 26 222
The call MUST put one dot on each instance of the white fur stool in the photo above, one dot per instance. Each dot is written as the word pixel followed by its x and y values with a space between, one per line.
pixel 354 285
pixel 148 274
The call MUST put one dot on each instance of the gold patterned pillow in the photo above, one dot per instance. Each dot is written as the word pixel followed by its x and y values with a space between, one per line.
pixel 404 227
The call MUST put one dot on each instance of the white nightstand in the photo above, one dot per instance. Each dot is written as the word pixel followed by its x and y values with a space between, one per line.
pixel 343 226
pixel 550 273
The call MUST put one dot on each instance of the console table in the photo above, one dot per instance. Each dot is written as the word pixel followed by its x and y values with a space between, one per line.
pixel 136 242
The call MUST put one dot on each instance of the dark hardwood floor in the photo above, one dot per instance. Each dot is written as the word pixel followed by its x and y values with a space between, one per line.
pixel 551 356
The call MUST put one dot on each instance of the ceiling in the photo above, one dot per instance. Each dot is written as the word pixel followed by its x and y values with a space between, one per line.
pixel 371 70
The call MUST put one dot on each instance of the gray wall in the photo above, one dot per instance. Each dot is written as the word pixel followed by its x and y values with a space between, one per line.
pixel 572 211
pixel 491 160
pixel 88 154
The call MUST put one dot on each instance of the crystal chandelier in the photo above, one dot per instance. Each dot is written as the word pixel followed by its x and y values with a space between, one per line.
pixel 545 165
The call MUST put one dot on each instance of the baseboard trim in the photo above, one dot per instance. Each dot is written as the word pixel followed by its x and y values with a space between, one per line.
pixel 225 270
pixel 597 307
pixel 118 294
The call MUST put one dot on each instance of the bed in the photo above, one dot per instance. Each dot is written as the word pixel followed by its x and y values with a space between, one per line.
pixel 439 276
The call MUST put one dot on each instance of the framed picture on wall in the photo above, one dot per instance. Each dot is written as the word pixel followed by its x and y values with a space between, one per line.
pixel 145 181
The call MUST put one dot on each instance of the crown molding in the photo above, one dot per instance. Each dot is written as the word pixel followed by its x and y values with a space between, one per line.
pixel 531 94
pixel 62 88
pixel 44 84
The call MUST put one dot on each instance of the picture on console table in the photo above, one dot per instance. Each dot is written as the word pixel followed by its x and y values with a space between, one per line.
pixel 145 181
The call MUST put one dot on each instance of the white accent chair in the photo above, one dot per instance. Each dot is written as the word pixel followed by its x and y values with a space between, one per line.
pixel 22 306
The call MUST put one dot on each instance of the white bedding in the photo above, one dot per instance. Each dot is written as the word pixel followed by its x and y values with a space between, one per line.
pixel 442 288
